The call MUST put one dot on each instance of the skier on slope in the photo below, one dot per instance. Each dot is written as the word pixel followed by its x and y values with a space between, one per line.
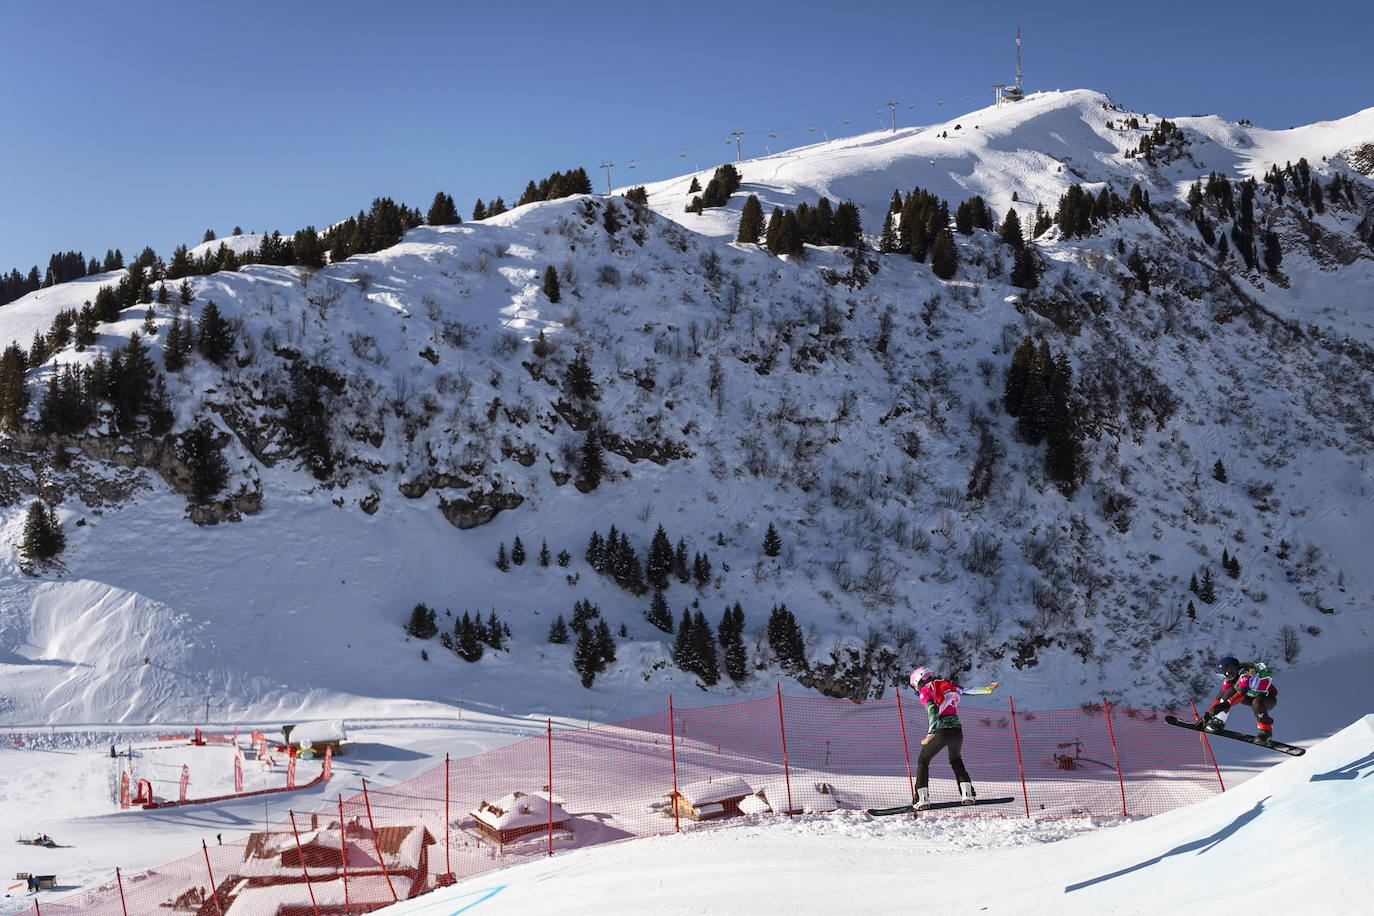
pixel 1250 683
pixel 941 699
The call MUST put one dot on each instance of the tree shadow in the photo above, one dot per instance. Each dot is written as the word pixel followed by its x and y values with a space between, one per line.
pixel 1349 771
pixel 1200 846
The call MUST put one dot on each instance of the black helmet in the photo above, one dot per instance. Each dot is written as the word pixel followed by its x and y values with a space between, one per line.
pixel 1227 661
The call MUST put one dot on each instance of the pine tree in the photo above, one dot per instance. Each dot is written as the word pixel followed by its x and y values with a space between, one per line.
pixel 1273 251
pixel 660 561
pixel 680 568
pixel 467 641
pixel 731 633
pixel 704 647
pixel 694 187
pixel 496 632
pixel 701 570
pixel 772 541
pixel 684 653
pixel 578 382
pixel 558 633
pixel 1207 588
pixel 658 614
pixel 517 552
pixel 443 211
pixel 605 646
pixel 1233 567
pixel 592 463
pixel 785 639
pixel 1219 471
pixel 1011 230
pixel 1025 269
pixel 1192 583
pixel 750 220
pixel 214 337
pixel 43 537
pixel 422 625
pixel 586 656
pixel 944 257
pixel 502 562
pixel 544 554
pixel 204 458
pixel 14 390
pixel 1192 611
pixel 595 552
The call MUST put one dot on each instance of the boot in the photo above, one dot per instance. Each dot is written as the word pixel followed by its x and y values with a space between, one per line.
pixel 922 799
pixel 1216 721
pixel 966 794
pixel 1265 738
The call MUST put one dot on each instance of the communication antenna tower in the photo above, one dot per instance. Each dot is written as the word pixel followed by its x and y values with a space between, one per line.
pixel 1014 93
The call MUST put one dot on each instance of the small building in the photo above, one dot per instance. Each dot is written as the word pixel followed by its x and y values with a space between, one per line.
pixel 272 873
pixel 519 814
pixel 806 797
pixel 711 798
pixel 311 738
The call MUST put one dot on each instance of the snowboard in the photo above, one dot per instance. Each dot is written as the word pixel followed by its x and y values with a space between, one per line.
pixel 935 806
pixel 1279 746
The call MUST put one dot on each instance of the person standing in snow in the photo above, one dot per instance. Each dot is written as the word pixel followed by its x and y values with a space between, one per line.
pixel 941 700
pixel 1248 683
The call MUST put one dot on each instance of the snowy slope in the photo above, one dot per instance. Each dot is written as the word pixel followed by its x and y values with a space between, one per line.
pixel 757 385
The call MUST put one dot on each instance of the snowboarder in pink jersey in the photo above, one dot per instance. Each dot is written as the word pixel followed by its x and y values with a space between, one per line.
pixel 1247 683
pixel 941 699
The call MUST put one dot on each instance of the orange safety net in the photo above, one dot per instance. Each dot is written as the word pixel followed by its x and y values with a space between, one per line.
pixel 673 770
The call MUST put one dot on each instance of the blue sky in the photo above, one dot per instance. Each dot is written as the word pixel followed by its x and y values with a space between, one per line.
pixel 138 124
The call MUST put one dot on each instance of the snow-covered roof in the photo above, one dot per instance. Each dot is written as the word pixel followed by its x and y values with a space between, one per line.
pixel 517 810
pixel 714 790
pixel 314 732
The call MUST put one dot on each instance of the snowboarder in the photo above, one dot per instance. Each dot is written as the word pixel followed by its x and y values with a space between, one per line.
pixel 1250 683
pixel 941 699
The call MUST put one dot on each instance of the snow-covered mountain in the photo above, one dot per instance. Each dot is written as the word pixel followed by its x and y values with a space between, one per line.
pixel 852 401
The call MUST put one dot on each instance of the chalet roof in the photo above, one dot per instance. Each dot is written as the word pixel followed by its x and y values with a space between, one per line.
pixel 519 810
pixel 725 788
pixel 259 901
pixel 317 732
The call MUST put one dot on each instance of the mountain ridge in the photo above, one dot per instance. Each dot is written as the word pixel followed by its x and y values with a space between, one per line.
pixel 735 389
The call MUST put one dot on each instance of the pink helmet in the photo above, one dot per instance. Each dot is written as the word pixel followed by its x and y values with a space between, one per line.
pixel 920 676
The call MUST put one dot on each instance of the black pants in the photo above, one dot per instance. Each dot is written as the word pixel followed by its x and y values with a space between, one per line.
pixel 952 738
pixel 1262 704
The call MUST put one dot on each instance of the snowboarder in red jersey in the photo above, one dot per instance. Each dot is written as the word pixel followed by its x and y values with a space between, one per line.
pixel 941 699
pixel 1248 683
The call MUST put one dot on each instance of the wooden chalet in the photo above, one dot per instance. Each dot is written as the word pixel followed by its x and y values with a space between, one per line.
pixel 710 798
pixel 519 814
pixel 271 877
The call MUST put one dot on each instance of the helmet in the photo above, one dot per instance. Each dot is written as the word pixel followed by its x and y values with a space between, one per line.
pixel 1227 661
pixel 920 676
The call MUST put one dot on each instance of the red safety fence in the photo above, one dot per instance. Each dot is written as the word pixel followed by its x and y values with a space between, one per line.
pixel 673 770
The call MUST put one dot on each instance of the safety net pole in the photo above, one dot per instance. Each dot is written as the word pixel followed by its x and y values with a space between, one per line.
pixel 786 770
pixel 305 870
pixel 1016 736
pixel 214 890
pixel 906 748
pixel 672 749
pixel 1207 748
pixel 376 844
pixel 1116 757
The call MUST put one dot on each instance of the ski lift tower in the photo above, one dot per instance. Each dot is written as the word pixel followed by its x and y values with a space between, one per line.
pixel 1013 93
